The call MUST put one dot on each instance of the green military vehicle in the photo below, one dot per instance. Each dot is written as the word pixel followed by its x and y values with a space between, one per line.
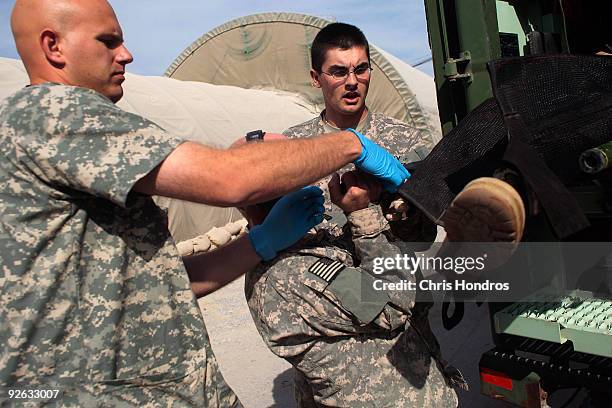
pixel 566 343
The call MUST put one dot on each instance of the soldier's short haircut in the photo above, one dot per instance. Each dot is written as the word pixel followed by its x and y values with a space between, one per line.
pixel 336 35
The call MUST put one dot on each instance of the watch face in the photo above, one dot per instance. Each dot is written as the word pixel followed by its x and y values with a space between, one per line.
pixel 255 136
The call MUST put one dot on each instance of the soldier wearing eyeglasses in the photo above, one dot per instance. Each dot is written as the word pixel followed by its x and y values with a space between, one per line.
pixel 341 68
pixel 315 306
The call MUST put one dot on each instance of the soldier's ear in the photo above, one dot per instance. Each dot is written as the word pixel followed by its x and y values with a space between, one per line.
pixel 314 78
pixel 50 45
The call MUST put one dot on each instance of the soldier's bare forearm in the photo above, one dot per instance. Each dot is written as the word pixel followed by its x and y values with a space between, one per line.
pixel 248 174
pixel 213 270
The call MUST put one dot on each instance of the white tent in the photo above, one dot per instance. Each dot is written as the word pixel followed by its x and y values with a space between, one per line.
pixel 272 51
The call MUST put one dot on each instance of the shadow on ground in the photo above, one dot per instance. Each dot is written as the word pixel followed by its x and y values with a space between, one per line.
pixel 282 390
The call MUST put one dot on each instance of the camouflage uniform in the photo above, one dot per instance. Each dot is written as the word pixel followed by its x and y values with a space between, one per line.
pixel 352 346
pixel 95 298
pixel 404 141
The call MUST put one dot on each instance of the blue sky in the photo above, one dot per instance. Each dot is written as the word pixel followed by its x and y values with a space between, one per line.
pixel 157 31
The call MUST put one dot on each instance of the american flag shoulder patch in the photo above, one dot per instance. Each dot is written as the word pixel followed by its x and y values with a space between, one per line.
pixel 326 269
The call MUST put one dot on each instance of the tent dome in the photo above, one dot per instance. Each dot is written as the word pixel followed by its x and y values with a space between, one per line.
pixel 272 51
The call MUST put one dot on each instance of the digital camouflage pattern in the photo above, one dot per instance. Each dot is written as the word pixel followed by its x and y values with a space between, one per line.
pixel 351 346
pixel 405 142
pixel 95 298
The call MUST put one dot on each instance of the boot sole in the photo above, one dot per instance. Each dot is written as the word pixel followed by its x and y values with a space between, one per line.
pixel 486 210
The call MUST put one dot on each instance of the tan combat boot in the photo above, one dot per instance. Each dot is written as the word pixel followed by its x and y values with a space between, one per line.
pixel 486 210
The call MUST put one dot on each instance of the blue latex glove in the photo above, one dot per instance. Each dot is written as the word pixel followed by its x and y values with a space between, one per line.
pixel 288 221
pixel 380 163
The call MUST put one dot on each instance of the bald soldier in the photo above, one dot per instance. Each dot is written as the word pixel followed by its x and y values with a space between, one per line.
pixel 96 303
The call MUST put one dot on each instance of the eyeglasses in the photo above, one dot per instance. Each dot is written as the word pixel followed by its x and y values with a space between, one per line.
pixel 342 73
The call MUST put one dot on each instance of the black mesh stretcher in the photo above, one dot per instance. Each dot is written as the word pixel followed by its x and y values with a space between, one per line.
pixel 545 112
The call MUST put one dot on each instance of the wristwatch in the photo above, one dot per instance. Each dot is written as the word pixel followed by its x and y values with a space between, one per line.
pixel 255 136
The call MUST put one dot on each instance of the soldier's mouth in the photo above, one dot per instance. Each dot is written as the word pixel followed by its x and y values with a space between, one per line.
pixel 351 96
pixel 119 75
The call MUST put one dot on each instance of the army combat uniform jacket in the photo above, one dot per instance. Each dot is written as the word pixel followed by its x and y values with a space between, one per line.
pixel 352 345
pixel 95 302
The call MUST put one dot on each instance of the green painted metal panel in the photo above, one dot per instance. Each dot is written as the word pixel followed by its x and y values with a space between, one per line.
pixel 478 34
pixel 463 35
pixel 508 22
pixel 579 317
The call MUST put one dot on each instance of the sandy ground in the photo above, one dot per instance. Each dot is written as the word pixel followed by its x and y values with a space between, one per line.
pixel 259 378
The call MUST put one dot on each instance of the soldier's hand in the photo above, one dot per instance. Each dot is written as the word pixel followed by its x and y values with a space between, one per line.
pixel 380 163
pixel 288 221
pixel 353 192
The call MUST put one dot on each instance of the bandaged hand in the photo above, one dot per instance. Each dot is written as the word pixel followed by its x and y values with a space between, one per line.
pixel 380 163
pixel 288 221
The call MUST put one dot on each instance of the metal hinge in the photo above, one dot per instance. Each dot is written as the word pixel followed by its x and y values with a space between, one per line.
pixel 459 68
